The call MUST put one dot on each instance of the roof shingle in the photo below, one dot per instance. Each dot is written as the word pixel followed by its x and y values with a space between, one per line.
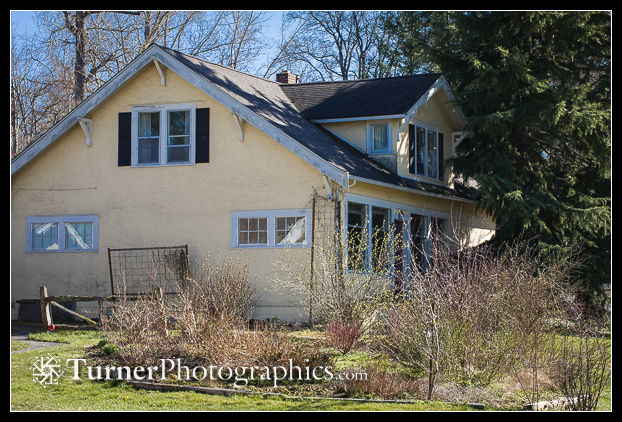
pixel 273 102
pixel 359 98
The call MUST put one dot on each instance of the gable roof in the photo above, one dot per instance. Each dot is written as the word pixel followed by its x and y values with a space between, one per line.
pixel 267 106
pixel 359 98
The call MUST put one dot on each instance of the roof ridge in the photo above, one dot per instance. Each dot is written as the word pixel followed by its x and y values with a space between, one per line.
pixel 301 83
pixel 218 64
pixel 365 79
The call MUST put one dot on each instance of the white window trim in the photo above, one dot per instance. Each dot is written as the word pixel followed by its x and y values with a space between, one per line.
pixel 61 220
pixel 163 109
pixel 426 171
pixel 271 215
pixel 370 137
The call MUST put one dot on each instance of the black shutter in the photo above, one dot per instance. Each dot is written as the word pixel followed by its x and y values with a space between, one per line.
pixel 125 139
pixel 202 135
pixel 441 163
pixel 411 149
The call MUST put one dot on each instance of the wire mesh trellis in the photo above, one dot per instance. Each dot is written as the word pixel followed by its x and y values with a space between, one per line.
pixel 141 270
pixel 326 212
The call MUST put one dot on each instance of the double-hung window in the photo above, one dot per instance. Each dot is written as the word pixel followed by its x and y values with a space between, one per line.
pixel 66 233
pixel 163 135
pixel 270 228
pixel 426 150
pixel 379 137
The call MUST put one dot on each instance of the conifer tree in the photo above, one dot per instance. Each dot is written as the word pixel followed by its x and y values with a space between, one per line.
pixel 536 90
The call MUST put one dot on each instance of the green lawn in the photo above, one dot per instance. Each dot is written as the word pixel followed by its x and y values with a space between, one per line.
pixel 92 395
pixel 18 345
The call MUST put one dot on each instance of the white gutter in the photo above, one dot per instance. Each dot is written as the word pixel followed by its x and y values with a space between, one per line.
pixel 412 190
pixel 355 119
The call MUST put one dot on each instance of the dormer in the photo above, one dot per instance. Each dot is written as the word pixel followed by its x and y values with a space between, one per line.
pixel 407 124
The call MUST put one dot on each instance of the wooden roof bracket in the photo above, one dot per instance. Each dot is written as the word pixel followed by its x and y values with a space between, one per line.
pixel 161 71
pixel 87 128
pixel 239 122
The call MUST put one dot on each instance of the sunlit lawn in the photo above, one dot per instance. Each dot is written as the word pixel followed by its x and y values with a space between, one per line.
pixel 96 395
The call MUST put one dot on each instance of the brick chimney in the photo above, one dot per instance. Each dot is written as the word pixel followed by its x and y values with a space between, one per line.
pixel 287 77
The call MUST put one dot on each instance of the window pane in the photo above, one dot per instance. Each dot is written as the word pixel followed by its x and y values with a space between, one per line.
pixel 432 159
pixel 357 236
pixel 178 154
pixel 379 137
pixel 148 125
pixel 44 236
pixel 380 239
pixel 379 218
pixel 290 230
pixel 179 123
pixel 148 150
pixel 252 231
pixel 357 214
pixel 420 156
pixel 418 235
pixel 79 236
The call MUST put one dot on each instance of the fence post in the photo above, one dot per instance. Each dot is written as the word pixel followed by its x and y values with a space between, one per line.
pixel 100 305
pixel 46 313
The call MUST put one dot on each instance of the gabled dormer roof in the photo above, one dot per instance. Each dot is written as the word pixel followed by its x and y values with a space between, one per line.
pixel 359 98
pixel 267 106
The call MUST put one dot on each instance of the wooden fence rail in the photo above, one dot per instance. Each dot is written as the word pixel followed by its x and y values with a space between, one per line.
pixel 48 301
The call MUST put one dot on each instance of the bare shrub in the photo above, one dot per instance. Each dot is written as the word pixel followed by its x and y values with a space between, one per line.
pixel 342 334
pixel 348 285
pixel 204 312
pixel 382 383
pixel 477 313
pixel 219 288
pixel 206 322
pixel 580 367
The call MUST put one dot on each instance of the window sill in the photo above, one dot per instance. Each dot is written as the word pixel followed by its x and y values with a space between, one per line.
pixel 427 179
pixel 295 246
pixel 60 251
pixel 162 165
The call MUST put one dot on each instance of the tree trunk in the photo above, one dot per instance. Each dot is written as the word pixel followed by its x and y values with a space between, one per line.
pixel 79 92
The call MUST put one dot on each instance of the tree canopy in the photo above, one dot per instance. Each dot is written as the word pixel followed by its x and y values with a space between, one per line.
pixel 536 90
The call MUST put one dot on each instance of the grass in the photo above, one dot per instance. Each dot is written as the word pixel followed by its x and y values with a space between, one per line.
pixel 18 345
pixel 86 395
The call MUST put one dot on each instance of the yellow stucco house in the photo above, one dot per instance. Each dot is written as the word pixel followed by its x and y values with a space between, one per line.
pixel 177 151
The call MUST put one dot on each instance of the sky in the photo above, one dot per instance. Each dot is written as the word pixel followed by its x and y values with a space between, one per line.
pixel 22 21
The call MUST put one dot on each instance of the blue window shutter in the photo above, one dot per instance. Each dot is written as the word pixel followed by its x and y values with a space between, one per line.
pixel 202 135
pixel 125 139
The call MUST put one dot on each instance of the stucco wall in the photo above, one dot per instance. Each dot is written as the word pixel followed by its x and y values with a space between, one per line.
pixel 156 206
